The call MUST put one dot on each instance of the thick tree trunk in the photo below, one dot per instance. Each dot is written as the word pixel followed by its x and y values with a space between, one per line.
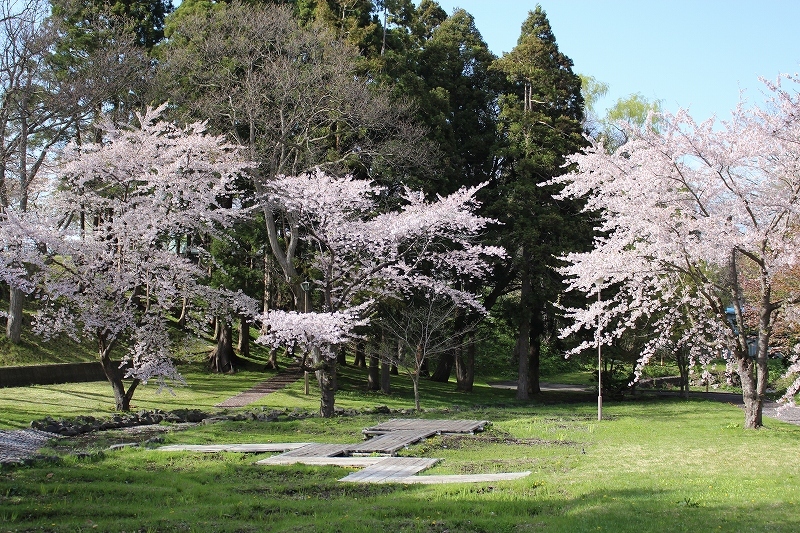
pixel 244 337
pixel 386 371
pixel 444 367
pixel 753 403
pixel 360 359
pixel 534 364
pixel 14 320
pixel 222 357
pixel 114 375
pixel 465 365
pixel 341 356
pixel 326 377
pixel 373 377
pixel 523 346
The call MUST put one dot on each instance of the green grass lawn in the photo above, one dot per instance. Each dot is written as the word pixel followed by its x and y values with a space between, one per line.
pixel 665 465
pixel 653 465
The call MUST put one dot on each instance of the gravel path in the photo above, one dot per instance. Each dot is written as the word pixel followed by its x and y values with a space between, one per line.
pixel 19 445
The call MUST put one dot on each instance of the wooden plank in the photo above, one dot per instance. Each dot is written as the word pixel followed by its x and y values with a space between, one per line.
pixel 389 443
pixel 242 448
pixel 465 478
pixel 317 450
pixel 358 462
pixel 391 469
pixel 436 425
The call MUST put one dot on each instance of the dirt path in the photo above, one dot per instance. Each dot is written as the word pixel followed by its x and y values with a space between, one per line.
pixel 277 382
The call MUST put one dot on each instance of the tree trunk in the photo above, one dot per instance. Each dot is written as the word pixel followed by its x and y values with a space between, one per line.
pixel 341 356
pixel 373 377
pixel 533 365
pixel 386 372
pixel 272 362
pixel 682 361
pixel 753 403
pixel 244 337
pixel 360 359
pixel 465 366
pixel 326 377
pixel 114 375
pixel 222 357
pixel 415 379
pixel 184 311
pixel 14 320
pixel 444 367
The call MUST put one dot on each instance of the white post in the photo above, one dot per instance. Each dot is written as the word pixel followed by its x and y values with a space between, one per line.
pixel 599 363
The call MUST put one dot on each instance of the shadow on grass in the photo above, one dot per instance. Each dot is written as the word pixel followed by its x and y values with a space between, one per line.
pixel 226 492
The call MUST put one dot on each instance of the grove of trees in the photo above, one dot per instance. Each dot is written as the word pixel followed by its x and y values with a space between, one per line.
pixel 367 172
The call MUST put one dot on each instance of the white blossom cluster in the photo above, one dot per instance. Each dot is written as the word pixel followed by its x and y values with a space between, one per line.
pixel 697 220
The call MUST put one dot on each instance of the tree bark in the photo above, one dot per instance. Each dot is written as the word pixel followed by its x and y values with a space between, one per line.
pixel 244 337
pixel 522 348
pixel 465 365
pixel 386 371
pixel 444 367
pixel 114 375
pixel 415 380
pixel 14 320
pixel 373 377
pixel 272 362
pixel 753 403
pixel 222 357
pixel 360 359
pixel 535 354
pixel 326 377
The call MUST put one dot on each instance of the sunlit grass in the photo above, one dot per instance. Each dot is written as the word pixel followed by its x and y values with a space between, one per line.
pixel 652 466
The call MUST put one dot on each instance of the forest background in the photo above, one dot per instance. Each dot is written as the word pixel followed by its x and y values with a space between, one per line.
pixel 406 97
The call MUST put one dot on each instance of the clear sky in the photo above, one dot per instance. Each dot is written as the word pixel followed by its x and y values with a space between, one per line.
pixel 695 54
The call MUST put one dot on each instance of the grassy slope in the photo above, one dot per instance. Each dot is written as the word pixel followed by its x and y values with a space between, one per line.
pixel 655 466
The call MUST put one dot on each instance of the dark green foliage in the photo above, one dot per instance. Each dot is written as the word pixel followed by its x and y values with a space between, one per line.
pixel 89 23
pixel 541 122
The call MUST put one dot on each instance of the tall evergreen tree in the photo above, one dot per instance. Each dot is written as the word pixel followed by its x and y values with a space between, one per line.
pixel 541 117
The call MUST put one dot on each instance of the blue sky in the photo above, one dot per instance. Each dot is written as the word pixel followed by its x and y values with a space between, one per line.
pixel 695 54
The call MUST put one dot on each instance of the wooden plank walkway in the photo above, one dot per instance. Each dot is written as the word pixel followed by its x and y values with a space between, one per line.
pixel 241 448
pixel 352 462
pixel 463 478
pixel 386 438
pixel 317 450
pixel 390 470
pixel 390 443
pixel 435 426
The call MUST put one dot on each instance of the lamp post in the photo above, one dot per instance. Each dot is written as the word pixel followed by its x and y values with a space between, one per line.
pixel 306 286
pixel 599 361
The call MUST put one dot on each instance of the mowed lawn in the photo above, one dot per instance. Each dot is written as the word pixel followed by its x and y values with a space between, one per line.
pixel 652 465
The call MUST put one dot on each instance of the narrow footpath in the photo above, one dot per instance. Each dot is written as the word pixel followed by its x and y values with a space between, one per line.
pixel 277 382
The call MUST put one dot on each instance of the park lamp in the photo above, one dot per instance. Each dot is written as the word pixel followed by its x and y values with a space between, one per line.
pixel 306 286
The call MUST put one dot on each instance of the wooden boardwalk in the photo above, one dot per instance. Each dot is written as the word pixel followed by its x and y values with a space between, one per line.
pixel 436 427
pixel 391 470
pixel 240 448
pixel 381 466
pixel 389 443
pixel 318 450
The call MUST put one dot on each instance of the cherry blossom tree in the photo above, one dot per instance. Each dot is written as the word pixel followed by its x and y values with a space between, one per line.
pixel 117 280
pixel 699 220
pixel 362 256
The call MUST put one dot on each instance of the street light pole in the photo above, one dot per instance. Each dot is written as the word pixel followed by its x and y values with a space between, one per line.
pixel 599 362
